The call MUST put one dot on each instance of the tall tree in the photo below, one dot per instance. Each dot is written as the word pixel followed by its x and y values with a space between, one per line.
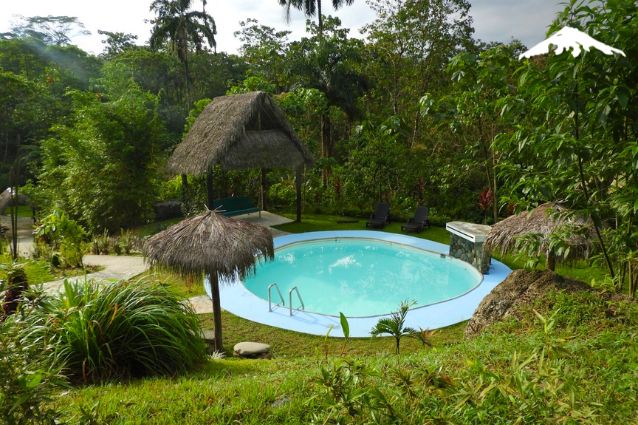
pixel 56 30
pixel 311 8
pixel 181 27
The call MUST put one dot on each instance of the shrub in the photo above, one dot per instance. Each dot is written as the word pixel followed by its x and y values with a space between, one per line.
pixel 29 379
pixel 14 289
pixel 62 234
pixel 121 330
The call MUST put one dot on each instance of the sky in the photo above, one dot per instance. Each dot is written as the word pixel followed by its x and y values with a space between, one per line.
pixel 494 20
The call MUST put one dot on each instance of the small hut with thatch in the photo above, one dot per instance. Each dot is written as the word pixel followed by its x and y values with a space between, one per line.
pixel 237 132
pixel 213 244
pixel 550 226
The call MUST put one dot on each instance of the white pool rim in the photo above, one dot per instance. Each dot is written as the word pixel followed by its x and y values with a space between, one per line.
pixel 238 300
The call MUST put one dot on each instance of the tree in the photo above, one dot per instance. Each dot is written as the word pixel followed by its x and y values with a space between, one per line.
pixel 181 27
pixel 116 42
pixel 410 45
pixel 576 131
pixel 56 30
pixel 332 67
pixel 264 50
pixel 312 7
pixel 101 169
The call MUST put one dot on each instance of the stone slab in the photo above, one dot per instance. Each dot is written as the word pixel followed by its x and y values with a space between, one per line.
pixel 469 231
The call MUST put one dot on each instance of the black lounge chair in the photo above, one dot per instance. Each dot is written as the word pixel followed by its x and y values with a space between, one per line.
pixel 418 222
pixel 380 217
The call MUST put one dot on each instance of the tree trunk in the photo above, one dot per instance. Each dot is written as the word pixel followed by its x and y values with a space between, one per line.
pixel 263 191
pixel 326 147
pixel 320 19
pixel 217 311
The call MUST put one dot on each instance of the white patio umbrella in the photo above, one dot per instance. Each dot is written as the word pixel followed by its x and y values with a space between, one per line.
pixel 566 39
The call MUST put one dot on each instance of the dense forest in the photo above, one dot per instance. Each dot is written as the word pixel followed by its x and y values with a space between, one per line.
pixel 418 111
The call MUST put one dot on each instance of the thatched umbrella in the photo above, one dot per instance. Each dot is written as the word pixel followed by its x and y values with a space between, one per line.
pixel 240 132
pixel 213 244
pixel 542 222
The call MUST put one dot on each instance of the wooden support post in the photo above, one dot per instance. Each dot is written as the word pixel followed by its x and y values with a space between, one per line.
pixel 263 193
pixel 217 310
pixel 298 178
pixel 209 188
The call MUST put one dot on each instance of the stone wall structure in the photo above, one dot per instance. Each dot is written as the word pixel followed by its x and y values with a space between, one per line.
pixel 467 243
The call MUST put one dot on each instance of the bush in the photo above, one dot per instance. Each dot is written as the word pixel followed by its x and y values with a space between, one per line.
pixel 29 379
pixel 122 330
pixel 63 236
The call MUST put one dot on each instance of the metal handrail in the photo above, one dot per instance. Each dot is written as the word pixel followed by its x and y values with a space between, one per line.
pixel 303 307
pixel 281 297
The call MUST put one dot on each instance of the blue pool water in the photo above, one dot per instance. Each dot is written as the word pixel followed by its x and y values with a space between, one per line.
pixel 361 277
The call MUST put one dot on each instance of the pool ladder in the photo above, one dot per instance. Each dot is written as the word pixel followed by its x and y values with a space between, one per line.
pixel 283 303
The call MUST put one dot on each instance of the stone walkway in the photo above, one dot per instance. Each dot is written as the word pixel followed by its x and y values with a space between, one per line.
pixel 25 234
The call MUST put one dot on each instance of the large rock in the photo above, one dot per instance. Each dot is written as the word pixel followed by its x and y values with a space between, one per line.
pixel 252 350
pixel 520 287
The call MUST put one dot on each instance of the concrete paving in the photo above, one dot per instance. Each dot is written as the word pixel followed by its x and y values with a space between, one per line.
pixel 115 267
pixel 26 245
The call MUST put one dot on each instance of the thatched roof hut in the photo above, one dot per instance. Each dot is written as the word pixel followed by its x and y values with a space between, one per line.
pixel 542 222
pixel 213 244
pixel 239 132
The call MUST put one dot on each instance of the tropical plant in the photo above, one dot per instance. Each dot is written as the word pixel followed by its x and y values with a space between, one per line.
pixel 30 378
pixel 64 235
pixel 121 330
pixel 312 8
pixel 177 24
pixel 14 288
pixel 395 325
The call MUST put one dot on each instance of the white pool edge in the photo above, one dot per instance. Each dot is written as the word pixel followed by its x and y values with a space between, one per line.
pixel 238 300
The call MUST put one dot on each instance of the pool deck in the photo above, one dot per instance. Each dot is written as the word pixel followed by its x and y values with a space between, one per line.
pixel 236 299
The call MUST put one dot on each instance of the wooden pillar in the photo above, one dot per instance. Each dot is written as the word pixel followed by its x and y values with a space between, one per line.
pixel 263 193
pixel 209 188
pixel 184 189
pixel 298 178
pixel 217 310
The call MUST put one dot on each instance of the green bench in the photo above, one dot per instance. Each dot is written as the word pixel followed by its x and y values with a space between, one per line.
pixel 235 205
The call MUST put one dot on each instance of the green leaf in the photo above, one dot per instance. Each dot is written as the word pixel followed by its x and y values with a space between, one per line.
pixel 345 326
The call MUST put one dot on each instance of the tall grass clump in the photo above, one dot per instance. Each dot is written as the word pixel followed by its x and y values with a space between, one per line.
pixel 118 331
pixel 29 378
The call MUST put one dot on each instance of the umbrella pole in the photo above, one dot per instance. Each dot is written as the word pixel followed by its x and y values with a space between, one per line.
pixel 217 311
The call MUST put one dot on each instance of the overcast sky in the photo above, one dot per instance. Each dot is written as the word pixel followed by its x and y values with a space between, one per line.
pixel 494 20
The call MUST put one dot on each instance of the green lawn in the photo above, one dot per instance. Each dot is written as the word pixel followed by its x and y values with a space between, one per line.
pixel 578 369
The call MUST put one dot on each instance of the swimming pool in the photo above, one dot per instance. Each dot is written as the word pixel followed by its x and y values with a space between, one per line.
pixel 360 277
pixel 455 306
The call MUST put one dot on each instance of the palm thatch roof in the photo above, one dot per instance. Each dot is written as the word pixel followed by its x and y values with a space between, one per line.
pixel 543 221
pixel 239 132
pixel 210 243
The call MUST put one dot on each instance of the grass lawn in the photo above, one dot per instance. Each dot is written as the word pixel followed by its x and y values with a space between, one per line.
pixel 40 271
